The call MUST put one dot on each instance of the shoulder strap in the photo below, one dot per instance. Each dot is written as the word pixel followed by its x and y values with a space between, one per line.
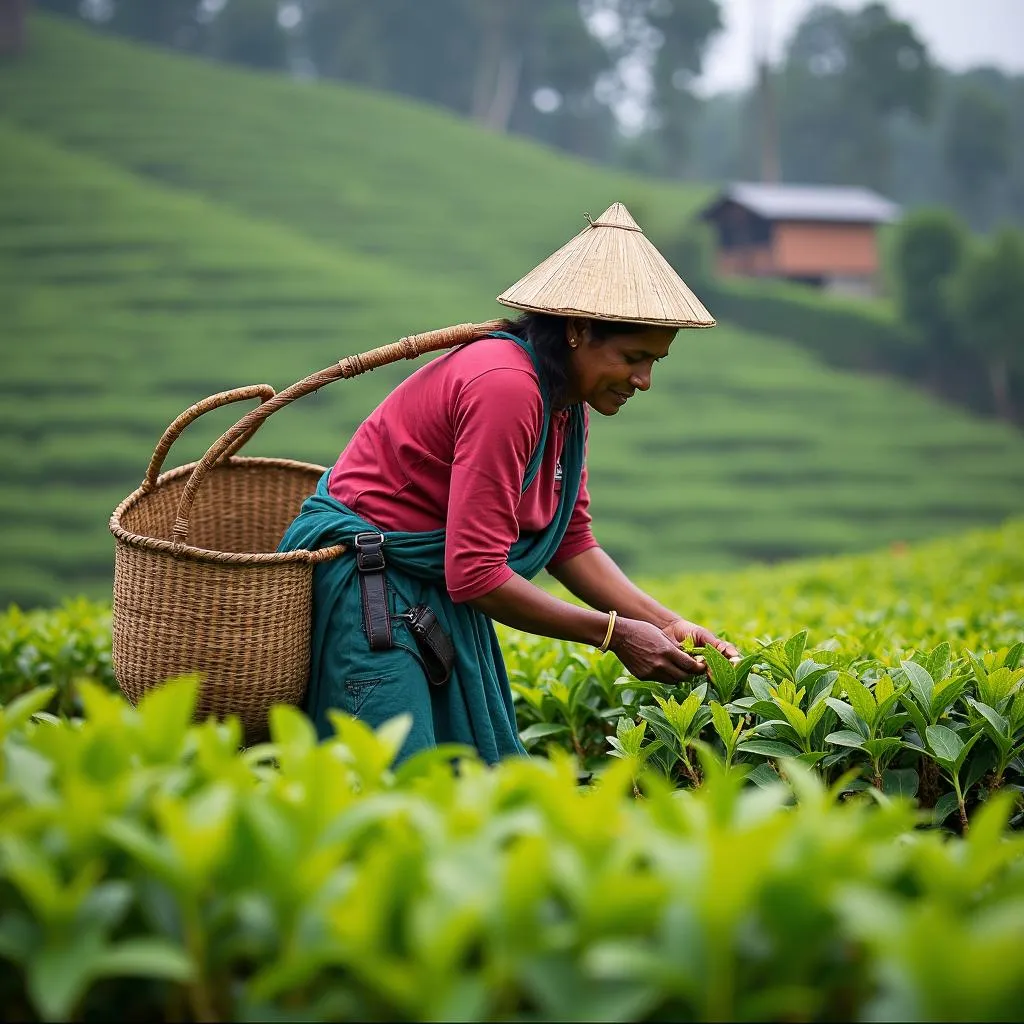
pixel 533 466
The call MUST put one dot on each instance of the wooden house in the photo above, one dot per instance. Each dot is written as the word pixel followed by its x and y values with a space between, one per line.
pixel 817 234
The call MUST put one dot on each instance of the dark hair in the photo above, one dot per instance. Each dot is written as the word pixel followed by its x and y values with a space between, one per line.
pixel 546 333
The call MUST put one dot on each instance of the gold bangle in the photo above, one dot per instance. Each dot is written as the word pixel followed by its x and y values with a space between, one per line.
pixel 612 616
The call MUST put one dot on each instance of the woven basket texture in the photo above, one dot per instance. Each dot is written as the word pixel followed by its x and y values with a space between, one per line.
pixel 244 626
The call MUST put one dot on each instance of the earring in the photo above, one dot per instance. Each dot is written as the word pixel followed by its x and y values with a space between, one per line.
pixel 573 343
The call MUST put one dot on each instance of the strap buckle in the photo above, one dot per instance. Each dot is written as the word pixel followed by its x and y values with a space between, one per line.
pixel 369 552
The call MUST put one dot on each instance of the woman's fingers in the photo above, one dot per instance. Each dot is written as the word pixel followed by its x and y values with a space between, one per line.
pixel 681 665
pixel 649 654
pixel 694 666
pixel 723 647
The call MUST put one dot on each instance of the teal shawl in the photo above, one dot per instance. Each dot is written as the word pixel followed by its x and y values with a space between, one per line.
pixel 475 706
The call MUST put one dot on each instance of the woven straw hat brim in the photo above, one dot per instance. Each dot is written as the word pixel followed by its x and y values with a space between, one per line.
pixel 610 271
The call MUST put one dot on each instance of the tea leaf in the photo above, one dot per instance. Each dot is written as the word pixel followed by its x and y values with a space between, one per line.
pixel 945 744
pixel 939 661
pixel 796 718
pixel 58 976
pixel 1012 658
pixel 921 683
pixel 722 722
pixel 915 715
pixel 1000 726
pixel 768 748
pixel 722 673
pixel 794 649
pixel 763 775
pixel 900 782
pixel 998 685
pixel 860 697
pixel 289 727
pixel 846 738
pixel 759 686
pixel 882 748
pixel 944 807
pixel 946 694
pixel 166 713
pixel 884 689
pixel 541 730
pixel 22 708
pixel 146 958
pixel 849 717
pixel 630 735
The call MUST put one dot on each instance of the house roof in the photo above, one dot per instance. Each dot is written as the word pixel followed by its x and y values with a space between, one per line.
pixel 808 202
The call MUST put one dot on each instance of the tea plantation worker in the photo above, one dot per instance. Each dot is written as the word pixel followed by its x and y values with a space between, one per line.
pixel 467 480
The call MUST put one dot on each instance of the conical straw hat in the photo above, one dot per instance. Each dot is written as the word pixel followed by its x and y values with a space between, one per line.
pixel 610 271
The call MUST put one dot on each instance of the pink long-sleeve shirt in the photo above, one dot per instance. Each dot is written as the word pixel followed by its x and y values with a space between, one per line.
pixel 449 448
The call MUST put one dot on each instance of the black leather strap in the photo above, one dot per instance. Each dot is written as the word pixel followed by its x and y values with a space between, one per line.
pixel 434 644
pixel 370 563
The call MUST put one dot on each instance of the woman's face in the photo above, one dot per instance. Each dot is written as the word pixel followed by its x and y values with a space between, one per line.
pixel 606 373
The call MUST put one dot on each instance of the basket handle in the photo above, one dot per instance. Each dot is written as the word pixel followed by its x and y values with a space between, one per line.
pixel 261 391
pixel 351 366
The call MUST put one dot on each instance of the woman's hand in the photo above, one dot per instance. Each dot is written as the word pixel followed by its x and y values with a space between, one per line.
pixel 650 653
pixel 681 629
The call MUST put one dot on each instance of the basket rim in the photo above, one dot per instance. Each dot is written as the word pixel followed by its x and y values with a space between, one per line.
pixel 188 551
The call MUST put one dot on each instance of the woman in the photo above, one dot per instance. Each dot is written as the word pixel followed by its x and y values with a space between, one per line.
pixel 470 478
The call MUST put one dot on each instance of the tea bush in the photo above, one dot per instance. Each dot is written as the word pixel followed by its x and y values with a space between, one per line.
pixel 57 648
pixel 905 667
pixel 845 332
pixel 151 871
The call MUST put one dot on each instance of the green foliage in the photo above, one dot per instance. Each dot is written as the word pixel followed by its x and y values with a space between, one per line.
pixel 977 143
pixel 844 74
pixel 929 248
pixel 860 686
pixel 988 300
pixel 57 648
pixel 151 870
pixel 842 670
pixel 846 333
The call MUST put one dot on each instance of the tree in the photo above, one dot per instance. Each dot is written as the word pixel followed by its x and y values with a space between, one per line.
pixel 249 32
pixel 667 39
pixel 162 22
pixel 486 59
pixel 845 75
pixel 976 145
pixel 529 66
pixel 889 67
pixel 929 251
pixel 987 296
pixel 159 22
pixel 562 65
pixel 686 27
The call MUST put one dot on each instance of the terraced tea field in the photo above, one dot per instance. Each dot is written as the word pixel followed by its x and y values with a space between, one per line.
pixel 357 170
pixel 225 228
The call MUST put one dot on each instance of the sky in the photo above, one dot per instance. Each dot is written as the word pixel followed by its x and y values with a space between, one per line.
pixel 958 33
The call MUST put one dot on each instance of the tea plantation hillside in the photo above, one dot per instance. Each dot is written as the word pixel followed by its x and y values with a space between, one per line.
pixel 374 173
pixel 127 292
pixel 125 301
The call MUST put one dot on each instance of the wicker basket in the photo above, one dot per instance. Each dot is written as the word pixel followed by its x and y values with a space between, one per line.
pixel 198 583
